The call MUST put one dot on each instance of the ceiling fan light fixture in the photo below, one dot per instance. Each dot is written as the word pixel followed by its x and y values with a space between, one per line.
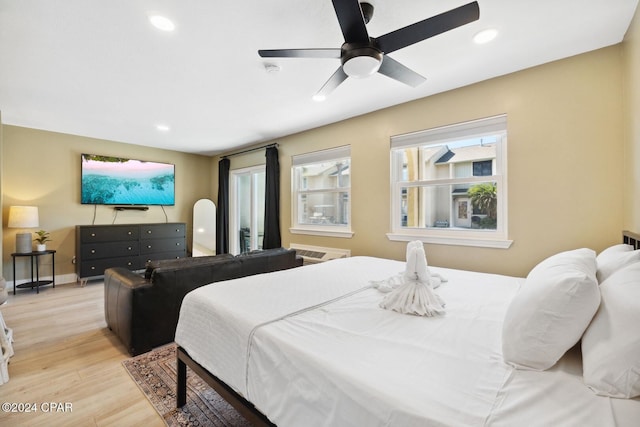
pixel 362 55
pixel 361 62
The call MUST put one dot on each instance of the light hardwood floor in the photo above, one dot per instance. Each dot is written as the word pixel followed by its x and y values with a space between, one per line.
pixel 64 353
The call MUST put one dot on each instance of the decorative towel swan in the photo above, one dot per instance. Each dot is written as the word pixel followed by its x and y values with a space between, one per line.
pixel 435 280
pixel 412 292
pixel 393 282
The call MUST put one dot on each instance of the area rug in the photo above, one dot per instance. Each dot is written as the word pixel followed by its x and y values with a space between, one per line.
pixel 155 373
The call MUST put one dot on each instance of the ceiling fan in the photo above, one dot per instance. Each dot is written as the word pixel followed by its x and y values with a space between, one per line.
pixel 362 55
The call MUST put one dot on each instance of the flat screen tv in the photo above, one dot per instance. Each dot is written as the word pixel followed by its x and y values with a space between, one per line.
pixel 117 181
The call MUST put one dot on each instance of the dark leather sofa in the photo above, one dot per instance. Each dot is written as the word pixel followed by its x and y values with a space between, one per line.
pixel 143 310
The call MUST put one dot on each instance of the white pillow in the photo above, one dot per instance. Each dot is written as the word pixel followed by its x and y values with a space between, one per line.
pixel 612 251
pixel 614 258
pixel 611 344
pixel 551 311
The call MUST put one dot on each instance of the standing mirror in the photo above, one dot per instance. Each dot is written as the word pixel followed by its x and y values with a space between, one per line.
pixel 204 228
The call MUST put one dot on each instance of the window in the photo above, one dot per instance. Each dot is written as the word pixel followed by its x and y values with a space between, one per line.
pixel 246 209
pixel 321 193
pixel 448 184
pixel 483 168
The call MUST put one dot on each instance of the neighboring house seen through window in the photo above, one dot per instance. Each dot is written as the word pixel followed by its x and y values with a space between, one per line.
pixel 321 193
pixel 448 184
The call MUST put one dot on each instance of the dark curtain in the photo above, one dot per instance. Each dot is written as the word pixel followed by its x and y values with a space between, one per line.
pixel 272 201
pixel 222 223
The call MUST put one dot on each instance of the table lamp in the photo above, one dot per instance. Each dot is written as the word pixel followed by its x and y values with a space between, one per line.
pixel 23 217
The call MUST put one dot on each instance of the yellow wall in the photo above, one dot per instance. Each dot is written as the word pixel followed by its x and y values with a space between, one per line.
pixel 631 68
pixel 565 155
pixel 43 169
pixel 565 163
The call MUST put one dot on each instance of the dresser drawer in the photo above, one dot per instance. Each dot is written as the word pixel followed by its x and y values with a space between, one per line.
pixel 162 231
pixel 110 250
pixel 163 255
pixel 97 267
pixel 161 245
pixel 109 234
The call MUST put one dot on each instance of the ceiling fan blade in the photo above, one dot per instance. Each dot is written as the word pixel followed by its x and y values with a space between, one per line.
pixel 351 21
pixel 334 81
pixel 392 68
pixel 300 53
pixel 429 27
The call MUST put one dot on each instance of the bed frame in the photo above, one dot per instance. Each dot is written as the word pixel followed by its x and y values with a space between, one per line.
pixel 631 238
pixel 242 405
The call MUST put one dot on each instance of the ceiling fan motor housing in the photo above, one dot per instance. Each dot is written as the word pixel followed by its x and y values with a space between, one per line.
pixel 360 60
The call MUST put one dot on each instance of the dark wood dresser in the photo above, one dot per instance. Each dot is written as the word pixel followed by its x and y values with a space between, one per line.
pixel 130 245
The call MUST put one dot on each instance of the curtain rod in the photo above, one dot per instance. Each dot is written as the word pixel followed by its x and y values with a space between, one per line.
pixel 250 150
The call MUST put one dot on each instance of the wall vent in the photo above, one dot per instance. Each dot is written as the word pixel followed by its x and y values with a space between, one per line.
pixel 316 254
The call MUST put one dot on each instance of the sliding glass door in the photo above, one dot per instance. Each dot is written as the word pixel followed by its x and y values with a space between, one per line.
pixel 246 226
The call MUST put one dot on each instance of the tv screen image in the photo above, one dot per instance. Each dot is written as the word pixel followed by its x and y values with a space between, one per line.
pixel 118 181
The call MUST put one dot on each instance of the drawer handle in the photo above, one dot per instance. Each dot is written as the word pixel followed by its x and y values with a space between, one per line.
pixel 148 231
pixel 129 248
pixel 177 230
pixel 178 244
pixel 93 251
pixel 129 233
pixel 148 246
pixel 93 268
pixel 93 234
pixel 129 263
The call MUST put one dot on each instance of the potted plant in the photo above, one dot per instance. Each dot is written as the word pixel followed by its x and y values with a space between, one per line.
pixel 42 239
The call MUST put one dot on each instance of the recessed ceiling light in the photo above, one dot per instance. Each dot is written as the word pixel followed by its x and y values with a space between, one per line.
pixel 162 22
pixel 485 36
pixel 318 97
pixel 163 128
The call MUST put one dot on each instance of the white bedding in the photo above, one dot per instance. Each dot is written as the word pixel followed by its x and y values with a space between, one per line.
pixel 351 363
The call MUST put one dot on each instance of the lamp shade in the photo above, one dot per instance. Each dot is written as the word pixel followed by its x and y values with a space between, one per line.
pixel 23 217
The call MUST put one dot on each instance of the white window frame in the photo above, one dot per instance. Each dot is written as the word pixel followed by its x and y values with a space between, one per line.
pixel 329 155
pixel 497 238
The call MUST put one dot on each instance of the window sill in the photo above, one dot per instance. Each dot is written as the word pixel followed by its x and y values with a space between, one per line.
pixel 453 240
pixel 346 234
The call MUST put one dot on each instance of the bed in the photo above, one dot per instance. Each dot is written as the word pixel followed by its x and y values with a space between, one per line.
pixel 311 346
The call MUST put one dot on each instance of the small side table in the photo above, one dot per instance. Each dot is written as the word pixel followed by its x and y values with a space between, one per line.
pixel 37 282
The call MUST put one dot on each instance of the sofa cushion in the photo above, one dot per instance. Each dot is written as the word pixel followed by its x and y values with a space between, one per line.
pixel 262 261
pixel 183 262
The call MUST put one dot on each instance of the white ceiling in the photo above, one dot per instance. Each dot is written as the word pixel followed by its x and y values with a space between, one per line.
pixel 98 68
